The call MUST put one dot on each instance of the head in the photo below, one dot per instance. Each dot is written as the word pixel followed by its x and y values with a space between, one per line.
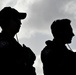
pixel 10 20
pixel 62 30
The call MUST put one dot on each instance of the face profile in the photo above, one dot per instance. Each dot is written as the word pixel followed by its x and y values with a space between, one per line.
pixel 68 36
pixel 14 25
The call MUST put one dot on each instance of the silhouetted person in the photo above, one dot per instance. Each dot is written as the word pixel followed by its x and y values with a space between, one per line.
pixel 14 58
pixel 57 59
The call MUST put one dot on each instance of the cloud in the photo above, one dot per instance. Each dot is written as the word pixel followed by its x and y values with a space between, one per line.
pixel 3 3
pixel 11 3
pixel 41 14
pixel 70 7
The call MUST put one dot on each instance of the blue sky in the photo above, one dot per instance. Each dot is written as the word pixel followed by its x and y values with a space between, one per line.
pixel 35 28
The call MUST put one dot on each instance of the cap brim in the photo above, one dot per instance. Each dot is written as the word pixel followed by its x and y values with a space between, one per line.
pixel 22 15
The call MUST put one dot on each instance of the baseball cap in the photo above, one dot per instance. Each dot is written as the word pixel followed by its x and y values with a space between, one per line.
pixel 8 12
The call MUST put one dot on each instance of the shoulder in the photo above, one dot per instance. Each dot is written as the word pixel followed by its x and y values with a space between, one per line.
pixel 48 48
pixel 45 50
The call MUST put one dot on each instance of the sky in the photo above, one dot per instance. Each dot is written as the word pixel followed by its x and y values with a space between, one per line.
pixel 35 29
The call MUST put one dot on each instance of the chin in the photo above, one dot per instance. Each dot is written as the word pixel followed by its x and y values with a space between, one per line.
pixel 68 42
pixel 17 31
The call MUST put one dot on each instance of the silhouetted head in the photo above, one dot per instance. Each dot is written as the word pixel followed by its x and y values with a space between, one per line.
pixel 10 19
pixel 62 30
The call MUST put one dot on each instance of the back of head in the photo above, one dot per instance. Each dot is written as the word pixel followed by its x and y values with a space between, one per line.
pixel 60 27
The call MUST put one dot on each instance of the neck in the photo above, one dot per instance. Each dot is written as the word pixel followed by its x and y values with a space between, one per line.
pixel 59 41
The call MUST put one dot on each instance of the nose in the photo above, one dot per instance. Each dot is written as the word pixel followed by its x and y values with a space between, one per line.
pixel 73 34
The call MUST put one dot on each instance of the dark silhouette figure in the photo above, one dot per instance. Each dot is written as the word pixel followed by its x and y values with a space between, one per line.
pixel 57 59
pixel 14 58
